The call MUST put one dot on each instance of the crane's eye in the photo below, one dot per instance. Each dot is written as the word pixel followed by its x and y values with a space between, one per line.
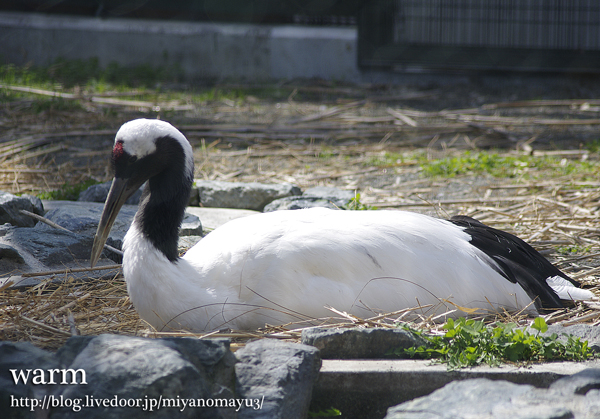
pixel 132 159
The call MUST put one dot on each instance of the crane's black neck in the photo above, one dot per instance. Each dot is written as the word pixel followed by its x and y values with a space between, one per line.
pixel 165 197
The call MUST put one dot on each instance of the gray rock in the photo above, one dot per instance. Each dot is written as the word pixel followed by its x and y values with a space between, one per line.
pixel 21 356
pixel 10 258
pixel 280 375
pixel 10 253
pixel 42 248
pixel 121 368
pixel 586 332
pixel 36 204
pixel 99 192
pixel 10 206
pixel 299 202
pixel 355 343
pixel 319 196
pixel 576 396
pixel 48 247
pixel 338 196
pixel 252 195
pixel 83 217
pixel 191 225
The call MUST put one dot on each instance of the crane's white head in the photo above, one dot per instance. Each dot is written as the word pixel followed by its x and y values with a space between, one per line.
pixel 138 138
pixel 145 149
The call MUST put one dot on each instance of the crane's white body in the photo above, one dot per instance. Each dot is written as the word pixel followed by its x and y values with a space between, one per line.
pixel 296 263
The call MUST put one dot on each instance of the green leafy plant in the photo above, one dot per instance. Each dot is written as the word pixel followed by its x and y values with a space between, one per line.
pixel 572 250
pixel 468 343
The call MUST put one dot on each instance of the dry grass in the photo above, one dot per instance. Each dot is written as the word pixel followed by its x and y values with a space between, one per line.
pixel 344 144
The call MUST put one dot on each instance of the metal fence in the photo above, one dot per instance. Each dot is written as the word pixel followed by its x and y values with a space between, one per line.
pixel 540 34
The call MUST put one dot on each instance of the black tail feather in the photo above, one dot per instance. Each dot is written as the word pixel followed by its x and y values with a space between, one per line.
pixel 516 260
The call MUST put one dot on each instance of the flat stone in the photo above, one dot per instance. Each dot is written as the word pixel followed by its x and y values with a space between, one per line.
pixel 281 374
pixel 355 343
pixel 240 195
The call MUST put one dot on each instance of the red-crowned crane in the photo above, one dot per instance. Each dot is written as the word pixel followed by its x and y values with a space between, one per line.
pixel 287 266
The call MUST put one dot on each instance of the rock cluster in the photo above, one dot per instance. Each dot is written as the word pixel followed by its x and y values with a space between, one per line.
pixel 30 246
pixel 112 376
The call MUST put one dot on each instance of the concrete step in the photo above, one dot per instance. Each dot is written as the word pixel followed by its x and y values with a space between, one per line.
pixel 366 388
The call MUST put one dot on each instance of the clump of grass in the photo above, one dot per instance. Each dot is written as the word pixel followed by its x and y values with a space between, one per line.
pixel 67 192
pixel 573 250
pixel 491 163
pixel 468 343
pixel 388 159
pixel 506 166
pixel 355 205
pixel 87 73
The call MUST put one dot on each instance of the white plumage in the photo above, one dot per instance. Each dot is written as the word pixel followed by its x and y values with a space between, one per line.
pixel 287 266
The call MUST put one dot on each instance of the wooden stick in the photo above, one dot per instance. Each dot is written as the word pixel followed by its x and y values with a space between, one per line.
pixel 45 326
pixel 70 270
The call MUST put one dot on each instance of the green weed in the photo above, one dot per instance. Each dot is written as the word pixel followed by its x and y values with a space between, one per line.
pixel 468 343
pixel 504 166
pixel 355 205
pixel 573 250
pixel 87 73
pixel 386 160
pixel 67 192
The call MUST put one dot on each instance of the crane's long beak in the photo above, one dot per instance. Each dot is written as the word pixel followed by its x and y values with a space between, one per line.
pixel 120 191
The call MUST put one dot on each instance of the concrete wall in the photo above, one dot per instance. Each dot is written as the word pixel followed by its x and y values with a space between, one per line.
pixel 201 50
